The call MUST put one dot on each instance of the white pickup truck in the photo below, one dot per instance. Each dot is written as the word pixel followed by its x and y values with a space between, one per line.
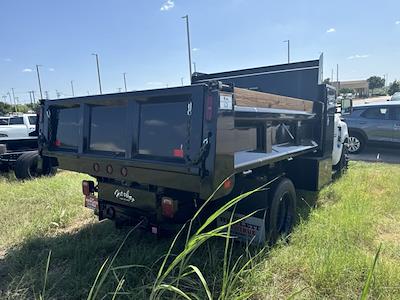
pixel 17 127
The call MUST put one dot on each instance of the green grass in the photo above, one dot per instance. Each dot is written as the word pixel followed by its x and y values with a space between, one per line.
pixel 38 207
pixel 329 256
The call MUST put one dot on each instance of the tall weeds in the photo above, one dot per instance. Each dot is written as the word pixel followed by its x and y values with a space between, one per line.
pixel 176 274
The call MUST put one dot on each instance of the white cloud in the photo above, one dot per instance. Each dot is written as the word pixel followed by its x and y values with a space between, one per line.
pixel 169 4
pixel 8 59
pixel 52 69
pixel 27 70
pixel 397 22
pixel 358 56
pixel 195 49
pixel 330 30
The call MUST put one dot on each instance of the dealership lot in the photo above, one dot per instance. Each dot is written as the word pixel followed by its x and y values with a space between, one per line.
pixel 388 154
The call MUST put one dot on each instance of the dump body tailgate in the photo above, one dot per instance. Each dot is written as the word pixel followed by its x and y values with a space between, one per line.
pixel 139 136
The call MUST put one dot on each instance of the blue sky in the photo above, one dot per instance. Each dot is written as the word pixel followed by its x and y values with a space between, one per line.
pixel 146 39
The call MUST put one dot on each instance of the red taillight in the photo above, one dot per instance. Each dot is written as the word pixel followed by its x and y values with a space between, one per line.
pixel 209 108
pixel 168 207
pixel 178 153
pixel 57 143
pixel 87 187
pixel 227 184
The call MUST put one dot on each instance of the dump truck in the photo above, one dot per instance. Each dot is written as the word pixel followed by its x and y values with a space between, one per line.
pixel 158 155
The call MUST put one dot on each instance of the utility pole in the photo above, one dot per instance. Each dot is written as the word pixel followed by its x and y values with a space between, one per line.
pixel 40 84
pixel 337 77
pixel 30 96
pixel 47 94
pixel 9 96
pixel 288 50
pixel 11 102
pixel 72 88
pixel 33 96
pixel 125 81
pixel 15 102
pixel 182 81
pixel 98 70
pixel 189 49
pixel 13 94
pixel 332 79
pixel 194 67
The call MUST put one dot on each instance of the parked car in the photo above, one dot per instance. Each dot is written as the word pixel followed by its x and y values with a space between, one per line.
pixel 377 123
pixel 395 97
pixel 19 126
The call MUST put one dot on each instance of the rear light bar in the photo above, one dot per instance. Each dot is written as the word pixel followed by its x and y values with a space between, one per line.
pixel 168 207
pixel 87 187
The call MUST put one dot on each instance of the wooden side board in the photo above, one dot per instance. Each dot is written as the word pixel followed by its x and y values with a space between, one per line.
pixel 246 97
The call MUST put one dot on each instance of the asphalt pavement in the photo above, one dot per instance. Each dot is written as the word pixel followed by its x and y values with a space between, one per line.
pixel 389 154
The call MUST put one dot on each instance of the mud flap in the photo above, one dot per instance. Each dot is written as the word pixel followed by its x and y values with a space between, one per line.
pixel 250 230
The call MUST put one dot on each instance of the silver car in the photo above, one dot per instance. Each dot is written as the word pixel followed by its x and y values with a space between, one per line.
pixel 377 123
pixel 395 97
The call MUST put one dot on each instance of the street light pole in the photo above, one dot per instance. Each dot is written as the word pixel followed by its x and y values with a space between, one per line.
pixel 189 49
pixel 98 70
pixel 72 88
pixel 125 81
pixel 288 50
pixel 40 84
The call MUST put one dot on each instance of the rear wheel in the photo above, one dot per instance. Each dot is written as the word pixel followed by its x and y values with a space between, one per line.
pixel 343 164
pixel 26 166
pixel 282 212
pixel 48 168
pixel 356 143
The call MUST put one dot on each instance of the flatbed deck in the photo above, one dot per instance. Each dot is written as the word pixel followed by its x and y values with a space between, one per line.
pixel 246 160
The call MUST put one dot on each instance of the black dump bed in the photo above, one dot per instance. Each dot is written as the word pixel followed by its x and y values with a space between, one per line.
pixel 186 138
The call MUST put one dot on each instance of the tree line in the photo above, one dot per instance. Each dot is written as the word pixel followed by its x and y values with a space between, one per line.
pixel 6 108
pixel 374 83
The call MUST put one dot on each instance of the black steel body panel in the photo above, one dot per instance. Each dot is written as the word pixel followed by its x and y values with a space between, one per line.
pixel 310 173
pixel 209 152
pixel 298 80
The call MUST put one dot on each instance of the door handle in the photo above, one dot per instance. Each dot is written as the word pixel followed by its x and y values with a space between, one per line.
pixel 362 122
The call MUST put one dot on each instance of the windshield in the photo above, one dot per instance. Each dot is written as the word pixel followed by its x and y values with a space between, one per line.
pixel 4 121
pixel 32 120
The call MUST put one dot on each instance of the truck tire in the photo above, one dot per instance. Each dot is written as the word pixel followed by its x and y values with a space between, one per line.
pixel 356 142
pixel 282 211
pixel 343 164
pixel 26 166
pixel 48 168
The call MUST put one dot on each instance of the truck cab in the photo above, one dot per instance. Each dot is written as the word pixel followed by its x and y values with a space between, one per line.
pixel 17 126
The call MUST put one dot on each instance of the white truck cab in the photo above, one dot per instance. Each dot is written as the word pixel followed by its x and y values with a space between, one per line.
pixel 17 126
pixel 341 134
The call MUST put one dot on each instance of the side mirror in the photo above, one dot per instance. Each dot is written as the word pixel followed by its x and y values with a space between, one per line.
pixel 346 106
